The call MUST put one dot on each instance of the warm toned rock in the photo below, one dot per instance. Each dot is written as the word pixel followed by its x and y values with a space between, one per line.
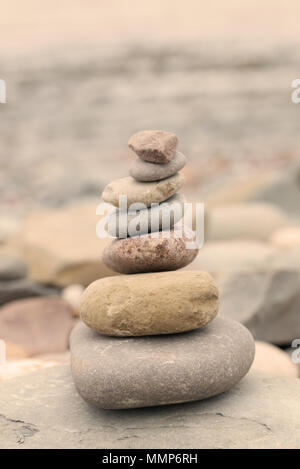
pixel 156 146
pixel 150 254
pixel 148 371
pixel 218 257
pixel 14 351
pixel 149 304
pixel 145 171
pixel 60 357
pixel 12 268
pixel 8 226
pixel 142 192
pixel 38 325
pixel 72 295
pixel 273 361
pixel 61 247
pixel 288 237
pixel 282 190
pixel 12 369
pixel 244 221
pixel 166 215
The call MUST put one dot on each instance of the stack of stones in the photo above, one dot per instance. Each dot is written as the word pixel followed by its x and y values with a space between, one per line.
pixel 150 337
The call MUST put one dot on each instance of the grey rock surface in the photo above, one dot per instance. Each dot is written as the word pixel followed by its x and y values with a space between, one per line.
pixel 161 217
pixel 11 290
pixel 255 221
pixel 137 192
pixel 12 268
pixel 267 302
pixel 145 171
pixel 284 191
pixel 43 410
pixel 146 371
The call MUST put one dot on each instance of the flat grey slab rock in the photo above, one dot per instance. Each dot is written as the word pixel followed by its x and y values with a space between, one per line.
pixel 43 410
pixel 267 302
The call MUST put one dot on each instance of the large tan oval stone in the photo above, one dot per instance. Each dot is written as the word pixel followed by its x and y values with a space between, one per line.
pixel 143 192
pixel 150 304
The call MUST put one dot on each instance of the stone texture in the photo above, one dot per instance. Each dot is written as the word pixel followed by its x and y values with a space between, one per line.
pixel 142 192
pixel 156 146
pixel 72 295
pixel 267 302
pixel 61 247
pixel 139 372
pixel 283 190
pixel 8 226
pixel 244 221
pixel 11 290
pixel 150 304
pixel 288 237
pixel 47 412
pixel 147 253
pixel 239 190
pixel 218 257
pixel 12 369
pixel 12 268
pixel 273 361
pixel 144 171
pixel 166 217
pixel 38 325
pixel 14 351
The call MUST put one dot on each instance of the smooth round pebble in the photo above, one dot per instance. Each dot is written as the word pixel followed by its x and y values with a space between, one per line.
pixel 146 193
pixel 156 146
pixel 144 171
pixel 115 373
pixel 147 253
pixel 150 304
pixel 163 216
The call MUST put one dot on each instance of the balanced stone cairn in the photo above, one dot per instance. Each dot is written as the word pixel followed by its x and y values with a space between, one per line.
pixel 149 337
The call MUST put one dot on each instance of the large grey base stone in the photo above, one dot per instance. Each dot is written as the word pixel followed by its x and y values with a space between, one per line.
pixel 43 410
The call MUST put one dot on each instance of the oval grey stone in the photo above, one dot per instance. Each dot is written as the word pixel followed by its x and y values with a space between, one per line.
pixel 145 172
pixel 113 373
pixel 160 217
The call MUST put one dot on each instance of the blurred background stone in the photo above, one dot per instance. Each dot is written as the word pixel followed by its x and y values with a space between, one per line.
pixel 37 325
pixel 273 361
pixel 61 247
pixel 244 221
